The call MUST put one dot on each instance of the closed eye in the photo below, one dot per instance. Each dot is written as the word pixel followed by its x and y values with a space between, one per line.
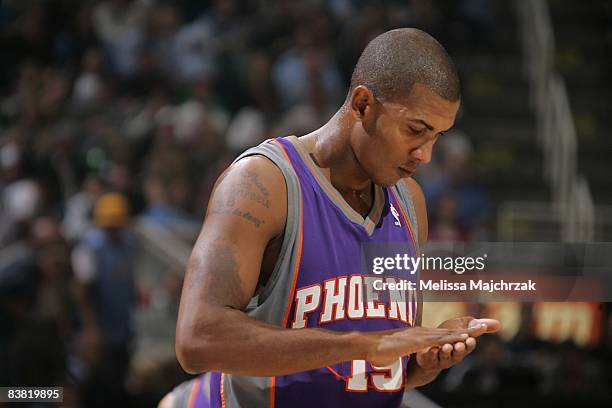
pixel 415 131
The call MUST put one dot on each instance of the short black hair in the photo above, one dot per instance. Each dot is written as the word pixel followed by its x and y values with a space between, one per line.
pixel 395 60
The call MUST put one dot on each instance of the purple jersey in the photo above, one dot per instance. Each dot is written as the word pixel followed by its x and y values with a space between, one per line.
pixel 319 282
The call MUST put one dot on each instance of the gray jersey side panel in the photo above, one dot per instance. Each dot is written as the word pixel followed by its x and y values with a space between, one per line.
pixel 181 394
pixel 406 202
pixel 271 302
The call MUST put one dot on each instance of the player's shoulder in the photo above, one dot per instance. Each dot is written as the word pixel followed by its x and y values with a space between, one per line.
pixel 252 190
pixel 417 197
pixel 258 170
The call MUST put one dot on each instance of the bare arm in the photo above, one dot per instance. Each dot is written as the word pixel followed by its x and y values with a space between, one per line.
pixel 247 209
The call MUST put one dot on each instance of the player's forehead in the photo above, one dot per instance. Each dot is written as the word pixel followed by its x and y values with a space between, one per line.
pixel 422 104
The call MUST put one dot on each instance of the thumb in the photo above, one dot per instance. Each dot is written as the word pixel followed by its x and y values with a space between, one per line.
pixel 492 324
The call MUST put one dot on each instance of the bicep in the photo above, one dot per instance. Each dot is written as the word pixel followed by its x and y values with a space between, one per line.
pixel 246 210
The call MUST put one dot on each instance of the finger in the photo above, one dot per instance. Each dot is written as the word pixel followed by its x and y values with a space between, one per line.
pixel 446 349
pixel 441 337
pixel 493 325
pixel 432 355
pixel 445 354
pixel 470 345
pixel 459 347
pixel 458 352
pixel 477 330
pixel 451 339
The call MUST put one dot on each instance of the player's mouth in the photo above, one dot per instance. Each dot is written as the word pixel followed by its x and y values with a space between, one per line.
pixel 406 171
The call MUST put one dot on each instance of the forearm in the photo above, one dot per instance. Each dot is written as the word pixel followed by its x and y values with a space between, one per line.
pixel 238 344
pixel 416 376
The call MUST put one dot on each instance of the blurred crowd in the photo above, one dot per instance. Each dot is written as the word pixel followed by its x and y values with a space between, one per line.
pixel 117 110
pixel 527 370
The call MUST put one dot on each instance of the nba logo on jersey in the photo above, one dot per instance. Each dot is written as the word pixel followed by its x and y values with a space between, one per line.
pixel 396 216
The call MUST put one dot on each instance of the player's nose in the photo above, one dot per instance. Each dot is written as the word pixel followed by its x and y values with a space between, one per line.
pixel 422 153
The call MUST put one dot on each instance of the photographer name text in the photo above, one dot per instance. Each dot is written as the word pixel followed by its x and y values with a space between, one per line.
pixel 445 285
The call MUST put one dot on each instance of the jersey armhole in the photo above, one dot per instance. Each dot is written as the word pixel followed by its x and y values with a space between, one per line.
pixel 272 152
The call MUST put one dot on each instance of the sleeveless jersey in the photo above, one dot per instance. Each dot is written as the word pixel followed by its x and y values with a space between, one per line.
pixel 318 282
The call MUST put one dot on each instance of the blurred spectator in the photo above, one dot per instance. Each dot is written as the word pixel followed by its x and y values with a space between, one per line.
pixel 80 206
pixel 20 200
pixel 451 191
pixel 307 63
pixel 36 302
pixel 55 298
pixel 443 225
pixel 202 113
pixel 76 36
pixel 103 263
pixel 474 24
pixel 18 280
pixel 250 125
pixel 248 128
pixel 119 24
pixel 88 85
pixel 166 202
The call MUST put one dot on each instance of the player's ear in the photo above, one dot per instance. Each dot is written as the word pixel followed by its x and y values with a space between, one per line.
pixel 361 101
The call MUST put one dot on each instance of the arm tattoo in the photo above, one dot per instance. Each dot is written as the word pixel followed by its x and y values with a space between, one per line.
pixel 242 214
pixel 250 189
pixel 243 190
pixel 255 179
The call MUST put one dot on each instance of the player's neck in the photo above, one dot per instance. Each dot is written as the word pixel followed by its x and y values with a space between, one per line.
pixel 331 150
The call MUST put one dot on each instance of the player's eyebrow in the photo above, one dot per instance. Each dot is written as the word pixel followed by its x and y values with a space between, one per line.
pixel 427 125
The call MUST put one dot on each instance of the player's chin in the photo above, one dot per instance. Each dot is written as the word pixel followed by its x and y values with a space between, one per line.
pixel 393 177
pixel 388 181
pixel 386 178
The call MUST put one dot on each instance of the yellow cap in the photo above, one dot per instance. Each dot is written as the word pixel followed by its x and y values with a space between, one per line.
pixel 112 210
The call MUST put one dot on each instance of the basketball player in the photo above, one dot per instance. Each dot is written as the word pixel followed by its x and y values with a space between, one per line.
pixel 274 310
